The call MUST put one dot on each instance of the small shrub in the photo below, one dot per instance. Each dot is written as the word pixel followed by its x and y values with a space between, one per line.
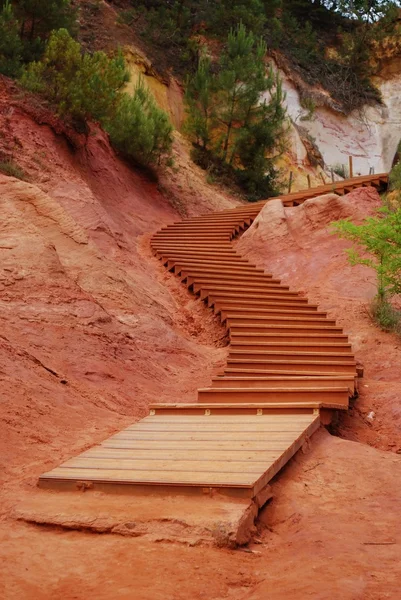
pixel 386 316
pixel 81 85
pixel 128 16
pixel 340 170
pixel 10 168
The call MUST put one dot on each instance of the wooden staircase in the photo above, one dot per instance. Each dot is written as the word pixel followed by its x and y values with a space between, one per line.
pixel 289 367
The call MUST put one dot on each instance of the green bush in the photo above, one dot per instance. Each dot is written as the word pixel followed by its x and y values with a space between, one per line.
pixel 378 245
pixel 140 129
pixel 90 86
pixel 81 85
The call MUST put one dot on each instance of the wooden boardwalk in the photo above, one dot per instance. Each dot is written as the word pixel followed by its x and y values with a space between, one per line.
pixel 289 367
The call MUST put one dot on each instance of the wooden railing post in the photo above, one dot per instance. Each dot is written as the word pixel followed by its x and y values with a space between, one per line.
pixel 351 167
pixel 290 183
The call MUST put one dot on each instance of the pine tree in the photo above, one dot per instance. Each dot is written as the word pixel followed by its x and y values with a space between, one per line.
pixel 236 114
pixel 199 103
pixel 10 43
pixel 140 129
pixel 37 19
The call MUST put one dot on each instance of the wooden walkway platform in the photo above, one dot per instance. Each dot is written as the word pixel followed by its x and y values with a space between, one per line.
pixel 289 367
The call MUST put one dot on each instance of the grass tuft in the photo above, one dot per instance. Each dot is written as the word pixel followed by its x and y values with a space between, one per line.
pixel 10 168
pixel 386 316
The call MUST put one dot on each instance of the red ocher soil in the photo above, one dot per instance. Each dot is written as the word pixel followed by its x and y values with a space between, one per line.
pixel 79 297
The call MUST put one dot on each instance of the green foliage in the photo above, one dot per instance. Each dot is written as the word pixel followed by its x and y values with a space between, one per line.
pixel 236 132
pixel 10 43
pixel 81 85
pixel 302 30
pixel 38 19
pixel 395 178
pixel 225 15
pixel 90 86
pixel 140 129
pixel 378 245
pixel 10 167
pixel 199 102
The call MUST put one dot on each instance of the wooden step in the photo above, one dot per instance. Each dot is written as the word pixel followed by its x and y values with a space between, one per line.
pixel 278 300
pixel 179 262
pixel 238 281
pixel 300 366
pixel 260 328
pixel 288 354
pixel 225 292
pixel 280 410
pixel 313 338
pixel 288 373
pixel 232 304
pixel 210 283
pixel 192 245
pixel 273 381
pixel 267 320
pixel 227 275
pixel 291 347
pixel 289 311
pixel 165 255
pixel 326 396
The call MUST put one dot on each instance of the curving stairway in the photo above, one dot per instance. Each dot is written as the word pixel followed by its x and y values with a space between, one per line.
pixel 289 367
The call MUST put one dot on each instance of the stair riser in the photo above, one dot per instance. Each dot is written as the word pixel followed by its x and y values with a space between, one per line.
pixel 212 275
pixel 193 270
pixel 269 295
pixel 317 382
pixel 229 232
pixel 237 285
pixel 276 311
pixel 277 320
pixel 300 396
pixel 175 261
pixel 165 255
pixel 290 355
pixel 213 228
pixel 228 305
pixel 290 338
pixel 193 245
pixel 283 329
pixel 299 367
pixel 227 263
pixel 290 348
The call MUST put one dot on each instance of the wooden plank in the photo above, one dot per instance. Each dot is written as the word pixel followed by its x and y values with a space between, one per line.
pixel 204 479
pixel 201 454
pixel 199 436
pixel 200 466
pixel 265 442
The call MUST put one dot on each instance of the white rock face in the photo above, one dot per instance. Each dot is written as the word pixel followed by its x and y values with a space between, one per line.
pixel 372 140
